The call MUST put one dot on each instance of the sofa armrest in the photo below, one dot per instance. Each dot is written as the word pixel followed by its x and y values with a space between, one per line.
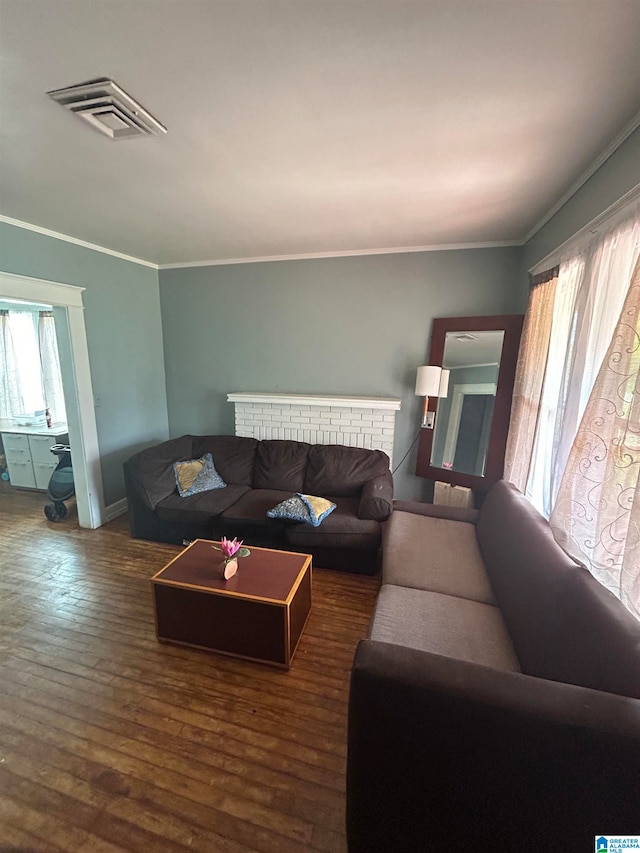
pixel 376 499
pixel 453 513
pixel 440 748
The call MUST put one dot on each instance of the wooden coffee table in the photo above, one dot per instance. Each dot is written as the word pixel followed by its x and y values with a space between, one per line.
pixel 258 614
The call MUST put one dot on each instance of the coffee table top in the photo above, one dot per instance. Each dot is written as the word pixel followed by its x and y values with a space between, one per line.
pixel 265 574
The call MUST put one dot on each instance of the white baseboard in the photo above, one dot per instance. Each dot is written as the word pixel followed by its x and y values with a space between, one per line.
pixel 114 510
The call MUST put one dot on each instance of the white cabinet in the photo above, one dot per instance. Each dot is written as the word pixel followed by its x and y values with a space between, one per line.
pixel 29 458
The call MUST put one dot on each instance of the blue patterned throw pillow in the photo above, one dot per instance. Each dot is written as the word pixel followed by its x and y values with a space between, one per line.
pixel 197 475
pixel 307 508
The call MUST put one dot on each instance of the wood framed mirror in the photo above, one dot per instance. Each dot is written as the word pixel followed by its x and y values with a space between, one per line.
pixel 467 445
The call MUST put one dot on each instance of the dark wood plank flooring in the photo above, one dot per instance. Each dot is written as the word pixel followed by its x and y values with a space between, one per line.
pixel 110 741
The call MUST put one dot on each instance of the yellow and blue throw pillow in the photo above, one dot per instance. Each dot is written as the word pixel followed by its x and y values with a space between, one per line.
pixel 307 508
pixel 197 475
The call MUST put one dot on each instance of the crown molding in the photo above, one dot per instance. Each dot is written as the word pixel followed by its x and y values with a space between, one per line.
pixel 624 134
pixel 351 253
pixel 47 232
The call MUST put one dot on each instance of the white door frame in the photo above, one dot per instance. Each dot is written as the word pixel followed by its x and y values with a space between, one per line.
pixel 455 413
pixel 83 433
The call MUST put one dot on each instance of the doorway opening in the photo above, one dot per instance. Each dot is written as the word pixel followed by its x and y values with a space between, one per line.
pixel 76 379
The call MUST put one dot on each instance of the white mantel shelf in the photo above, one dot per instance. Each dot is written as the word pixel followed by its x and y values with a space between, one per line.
pixel 323 400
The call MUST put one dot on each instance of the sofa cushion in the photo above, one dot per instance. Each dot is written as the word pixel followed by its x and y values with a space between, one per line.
pixel 341 529
pixel 333 469
pixel 434 554
pixel 151 471
pixel 200 508
pixel 233 456
pixel 443 625
pixel 565 625
pixel 281 465
pixel 254 505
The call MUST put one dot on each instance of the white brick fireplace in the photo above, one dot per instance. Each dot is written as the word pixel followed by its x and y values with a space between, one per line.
pixel 367 422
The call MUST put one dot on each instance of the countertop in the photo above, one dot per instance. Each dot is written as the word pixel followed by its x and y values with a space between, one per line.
pixel 9 425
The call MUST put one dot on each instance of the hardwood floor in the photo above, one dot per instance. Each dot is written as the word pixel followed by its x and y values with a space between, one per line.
pixel 110 741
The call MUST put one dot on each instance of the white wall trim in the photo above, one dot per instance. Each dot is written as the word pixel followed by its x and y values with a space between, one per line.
pixel 115 510
pixel 47 232
pixel 316 400
pixel 40 290
pixel 86 457
pixel 624 134
pixel 347 253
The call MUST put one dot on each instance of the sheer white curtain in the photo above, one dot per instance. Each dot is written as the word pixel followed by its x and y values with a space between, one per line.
pixel 11 396
pixel 583 471
pixel 30 377
pixel 591 288
pixel 50 367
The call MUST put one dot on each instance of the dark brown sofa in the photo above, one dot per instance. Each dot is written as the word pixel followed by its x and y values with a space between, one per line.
pixel 496 703
pixel 259 475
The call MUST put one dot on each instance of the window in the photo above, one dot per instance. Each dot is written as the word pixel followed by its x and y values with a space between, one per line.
pixel 30 376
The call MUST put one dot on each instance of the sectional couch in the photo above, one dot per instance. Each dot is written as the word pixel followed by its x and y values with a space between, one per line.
pixel 258 476
pixel 496 702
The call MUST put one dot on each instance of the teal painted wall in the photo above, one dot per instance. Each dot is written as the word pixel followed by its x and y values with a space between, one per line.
pixel 124 337
pixel 358 325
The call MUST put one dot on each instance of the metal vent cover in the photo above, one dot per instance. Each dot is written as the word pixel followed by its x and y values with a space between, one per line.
pixel 108 108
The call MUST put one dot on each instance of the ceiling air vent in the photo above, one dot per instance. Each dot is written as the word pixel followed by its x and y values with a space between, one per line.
pixel 109 109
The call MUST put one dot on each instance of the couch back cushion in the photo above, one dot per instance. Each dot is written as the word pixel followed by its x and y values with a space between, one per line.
pixel 338 471
pixel 281 464
pixel 152 469
pixel 233 455
pixel 565 626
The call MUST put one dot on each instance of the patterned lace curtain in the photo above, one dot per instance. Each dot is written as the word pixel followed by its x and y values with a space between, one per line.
pixel 11 396
pixel 50 367
pixel 596 517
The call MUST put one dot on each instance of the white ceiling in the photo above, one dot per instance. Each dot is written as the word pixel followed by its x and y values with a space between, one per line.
pixel 483 350
pixel 311 126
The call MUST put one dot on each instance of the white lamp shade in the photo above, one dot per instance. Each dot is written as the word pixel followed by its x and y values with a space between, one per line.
pixel 444 383
pixel 428 381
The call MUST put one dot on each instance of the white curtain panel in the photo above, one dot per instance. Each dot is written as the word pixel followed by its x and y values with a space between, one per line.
pixel 592 286
pixel 11 396
pixel 50 367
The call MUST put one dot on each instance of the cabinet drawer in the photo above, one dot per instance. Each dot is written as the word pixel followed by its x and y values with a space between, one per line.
pixel 43 472
pixel 21 474
pixel 40 446
pixel 12 441
pixel 17 454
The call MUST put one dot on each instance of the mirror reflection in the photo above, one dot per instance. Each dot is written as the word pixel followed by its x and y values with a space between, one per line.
pixel 464 417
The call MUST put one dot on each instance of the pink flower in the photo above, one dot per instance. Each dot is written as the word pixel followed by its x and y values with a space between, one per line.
pixel 229 547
